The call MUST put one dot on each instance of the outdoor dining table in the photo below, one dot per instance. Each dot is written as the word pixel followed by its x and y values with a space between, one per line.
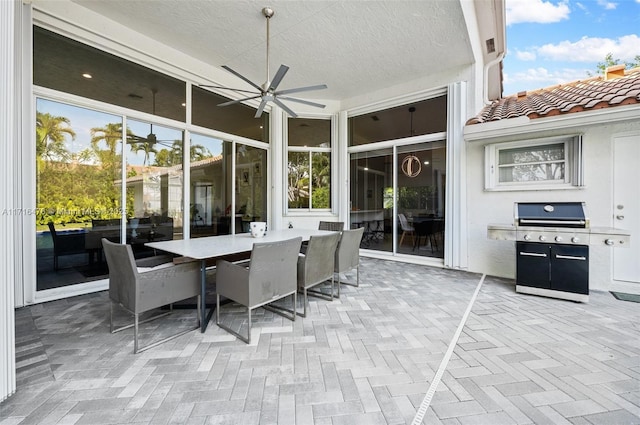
pixel 212 247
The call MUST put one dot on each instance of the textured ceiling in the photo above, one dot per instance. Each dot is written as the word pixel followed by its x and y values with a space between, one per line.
pixel 355 47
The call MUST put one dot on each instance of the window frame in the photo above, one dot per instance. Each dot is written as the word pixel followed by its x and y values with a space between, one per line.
pixel 310 150
pixel 573 164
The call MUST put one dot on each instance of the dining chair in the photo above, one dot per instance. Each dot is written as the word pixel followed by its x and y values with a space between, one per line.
pixel 335 226
pixel 142 289
pixel 66 244
pixel 270 276
pixel 407 229
pixel 316 267
pixel 348 255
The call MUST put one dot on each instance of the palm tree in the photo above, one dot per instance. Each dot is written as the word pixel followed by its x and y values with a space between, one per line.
pixel 51 132
pixel 111 135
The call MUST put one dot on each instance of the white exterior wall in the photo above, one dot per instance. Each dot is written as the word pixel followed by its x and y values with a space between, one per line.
pixel 497 258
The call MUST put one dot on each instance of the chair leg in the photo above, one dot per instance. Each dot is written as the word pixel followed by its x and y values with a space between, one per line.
pixel 135 333
pixel 304 304
pixel 249 325
pixel 401 239
pixel 246 339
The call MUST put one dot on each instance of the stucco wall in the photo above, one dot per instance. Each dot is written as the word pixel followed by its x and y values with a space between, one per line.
pixel 498 257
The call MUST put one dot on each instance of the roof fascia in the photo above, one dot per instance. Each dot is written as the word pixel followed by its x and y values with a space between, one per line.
pixel 524 125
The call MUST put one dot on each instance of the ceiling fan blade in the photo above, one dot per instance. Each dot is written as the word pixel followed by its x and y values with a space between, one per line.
pixel 306 102
pixel 231 102
pixel 243 78
pixel 261 108
pixel 300 89
pixel 278 77
pixel 285 107
pixel 226 88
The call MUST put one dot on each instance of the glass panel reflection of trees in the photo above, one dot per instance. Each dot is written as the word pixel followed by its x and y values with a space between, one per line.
pixel 78 162
pixel 529 164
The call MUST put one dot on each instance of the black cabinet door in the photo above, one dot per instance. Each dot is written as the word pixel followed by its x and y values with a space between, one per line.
pixel 532 268
pixel 570 268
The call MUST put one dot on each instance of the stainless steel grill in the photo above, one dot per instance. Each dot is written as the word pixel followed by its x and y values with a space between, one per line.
pixel 552 247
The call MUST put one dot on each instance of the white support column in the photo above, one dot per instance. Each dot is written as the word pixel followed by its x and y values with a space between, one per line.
pixel 342 163
pixel 456 243
pixel 278 166
pixel 9 122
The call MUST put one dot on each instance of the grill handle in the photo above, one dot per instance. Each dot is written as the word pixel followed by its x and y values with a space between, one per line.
pixel 545 222
pixel 532 254
pixel 570 257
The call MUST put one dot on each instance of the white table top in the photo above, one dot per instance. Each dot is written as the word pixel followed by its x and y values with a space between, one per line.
pixel 217 246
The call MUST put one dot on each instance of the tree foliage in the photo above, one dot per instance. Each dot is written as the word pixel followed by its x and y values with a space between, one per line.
pixel 601 67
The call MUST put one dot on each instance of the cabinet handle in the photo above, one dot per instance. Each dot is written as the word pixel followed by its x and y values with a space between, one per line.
pixel 532 254
pixel 570 257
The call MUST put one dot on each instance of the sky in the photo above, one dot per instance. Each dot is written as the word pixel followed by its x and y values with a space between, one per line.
pixel 551 42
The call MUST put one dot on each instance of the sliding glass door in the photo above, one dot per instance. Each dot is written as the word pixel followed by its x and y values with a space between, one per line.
pixel 78 170
pixel 397 195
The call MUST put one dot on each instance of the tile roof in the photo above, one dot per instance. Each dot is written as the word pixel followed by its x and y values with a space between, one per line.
pixel 621 88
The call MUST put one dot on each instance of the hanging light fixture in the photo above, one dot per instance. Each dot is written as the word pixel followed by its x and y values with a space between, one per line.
pixel 411 165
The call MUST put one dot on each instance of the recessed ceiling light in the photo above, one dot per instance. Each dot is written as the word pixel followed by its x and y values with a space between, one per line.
pixel 87 76
pixel 184 104
pixel 426 163
pixel 260 127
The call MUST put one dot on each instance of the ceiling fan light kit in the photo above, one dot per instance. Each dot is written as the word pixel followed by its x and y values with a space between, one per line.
pixel 268 91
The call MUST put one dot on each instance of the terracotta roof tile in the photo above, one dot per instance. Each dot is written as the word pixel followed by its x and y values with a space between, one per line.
pixel 578 96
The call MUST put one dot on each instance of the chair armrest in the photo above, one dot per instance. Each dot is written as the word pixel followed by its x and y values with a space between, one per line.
pixel 232 281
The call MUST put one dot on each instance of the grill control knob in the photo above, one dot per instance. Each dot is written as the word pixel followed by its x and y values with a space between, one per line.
pixel 527 237
pixel 542 238
pixel 575 239
pixel 609 242
pixel 558 238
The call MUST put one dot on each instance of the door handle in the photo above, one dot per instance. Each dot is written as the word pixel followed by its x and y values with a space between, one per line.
pixel 532 254
pixel 570 257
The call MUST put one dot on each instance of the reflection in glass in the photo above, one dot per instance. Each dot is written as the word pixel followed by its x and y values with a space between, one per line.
pixel 371 207
pixel 428 117
pixel 154 182
pixel 210 187
pixel 420 199
pixel 78 160
pixel 59 63
pixel 528 164
pixel 235 119
pixel 251 187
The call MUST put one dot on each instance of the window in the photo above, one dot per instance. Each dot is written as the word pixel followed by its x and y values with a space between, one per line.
pixel 309 164
pixel 548 163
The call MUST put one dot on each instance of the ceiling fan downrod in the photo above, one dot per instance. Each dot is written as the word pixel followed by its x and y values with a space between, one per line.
pixel 268 13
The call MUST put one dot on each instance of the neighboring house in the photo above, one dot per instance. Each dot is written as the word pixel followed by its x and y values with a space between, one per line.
pixel 595 125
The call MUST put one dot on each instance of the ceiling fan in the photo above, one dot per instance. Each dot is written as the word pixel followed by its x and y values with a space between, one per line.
pixel 268 91
pixel 147 144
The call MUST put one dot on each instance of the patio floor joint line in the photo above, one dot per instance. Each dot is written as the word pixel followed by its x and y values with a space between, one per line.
pixel 426 402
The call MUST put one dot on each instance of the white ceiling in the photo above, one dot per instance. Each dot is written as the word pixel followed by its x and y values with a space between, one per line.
pixel 354 46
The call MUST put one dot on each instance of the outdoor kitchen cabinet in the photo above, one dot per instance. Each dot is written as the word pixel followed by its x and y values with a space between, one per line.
pixel 553 267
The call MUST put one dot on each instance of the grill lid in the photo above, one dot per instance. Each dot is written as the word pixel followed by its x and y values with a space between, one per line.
pixel 556 214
